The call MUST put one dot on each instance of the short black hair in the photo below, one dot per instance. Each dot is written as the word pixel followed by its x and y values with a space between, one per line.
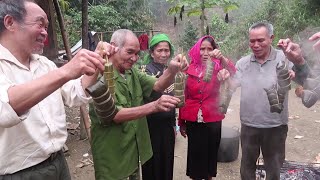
pixel 14 8
pixel 265 24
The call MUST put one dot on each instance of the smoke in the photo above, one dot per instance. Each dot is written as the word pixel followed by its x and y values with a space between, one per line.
pixel 311 55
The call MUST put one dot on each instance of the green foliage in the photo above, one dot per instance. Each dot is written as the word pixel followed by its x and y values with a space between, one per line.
pixel 137 14
pixel 218 28
pixel 189 37
pixel 196 5
pixel 289 17
pixel 113 15
pixel 197 8
pixel 64 5
pixel 101 18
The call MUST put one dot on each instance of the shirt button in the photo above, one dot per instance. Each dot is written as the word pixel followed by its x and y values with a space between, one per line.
pixel 200 101
pixel 198 80
pixel 200 91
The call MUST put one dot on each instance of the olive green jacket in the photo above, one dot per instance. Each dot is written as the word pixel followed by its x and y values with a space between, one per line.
pixel 116 147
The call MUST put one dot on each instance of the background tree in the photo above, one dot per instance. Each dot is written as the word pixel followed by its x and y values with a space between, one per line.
pixel 289 18
pixel 197 8
pixel 188 38
pixel 107 15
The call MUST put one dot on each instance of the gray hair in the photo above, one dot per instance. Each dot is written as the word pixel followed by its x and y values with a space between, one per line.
pixel 267 25
pixel 14 8
pixel 120 35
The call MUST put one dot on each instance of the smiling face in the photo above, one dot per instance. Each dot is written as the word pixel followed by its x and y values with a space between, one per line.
pixel 161 52
pixel 127 55
pixel 260 42
pixel 32 32
pixel 205 48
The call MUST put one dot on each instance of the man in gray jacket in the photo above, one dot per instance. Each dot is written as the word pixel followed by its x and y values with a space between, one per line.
pixel 262 129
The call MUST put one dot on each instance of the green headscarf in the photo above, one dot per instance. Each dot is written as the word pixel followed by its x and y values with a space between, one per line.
pixel 156 39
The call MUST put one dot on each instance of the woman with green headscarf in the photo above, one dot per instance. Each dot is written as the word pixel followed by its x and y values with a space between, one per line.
pixel 161 125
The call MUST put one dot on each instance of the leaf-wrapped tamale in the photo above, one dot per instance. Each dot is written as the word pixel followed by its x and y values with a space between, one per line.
pixel 225 97
pixel 103 94
pixel 179 86
pixel 284 81
pixel 209 70
pixel 274 101
pixel 104 104
pixel 277 93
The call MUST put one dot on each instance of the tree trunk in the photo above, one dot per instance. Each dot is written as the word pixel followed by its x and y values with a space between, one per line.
pixel 62 29
pixel 85 123
pixel 202 18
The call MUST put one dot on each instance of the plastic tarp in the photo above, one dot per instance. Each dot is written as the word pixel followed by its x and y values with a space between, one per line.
pixel 74 50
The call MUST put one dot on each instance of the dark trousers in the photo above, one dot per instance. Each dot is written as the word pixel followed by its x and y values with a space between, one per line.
pixel 203 144
pixel 160 166
pixel 54 168
pixel 271 142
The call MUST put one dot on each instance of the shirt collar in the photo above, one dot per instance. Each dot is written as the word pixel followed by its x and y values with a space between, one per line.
pixel 6 55
pixel 272 56
pixel 118 76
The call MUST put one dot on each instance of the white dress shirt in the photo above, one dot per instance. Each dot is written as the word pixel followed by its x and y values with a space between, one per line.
pixel 29 139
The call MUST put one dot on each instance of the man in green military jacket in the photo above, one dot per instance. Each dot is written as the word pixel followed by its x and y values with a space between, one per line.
pixel 119 147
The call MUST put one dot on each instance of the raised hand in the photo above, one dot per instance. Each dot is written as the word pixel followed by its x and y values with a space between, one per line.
pixel 223 74
pixel 216 53
pixel 86 62
pixel 314 37
pixel 178 63
pixel 291 50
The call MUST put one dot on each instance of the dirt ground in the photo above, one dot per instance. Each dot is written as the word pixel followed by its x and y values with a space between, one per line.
pixel 303 122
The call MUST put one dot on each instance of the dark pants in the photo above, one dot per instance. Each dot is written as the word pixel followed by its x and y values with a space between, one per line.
pixel 160 166
pixel 271 142
pixel 54 168
pixel 203 144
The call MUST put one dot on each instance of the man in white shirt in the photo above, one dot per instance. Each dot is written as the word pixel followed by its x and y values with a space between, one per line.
pixel 33 92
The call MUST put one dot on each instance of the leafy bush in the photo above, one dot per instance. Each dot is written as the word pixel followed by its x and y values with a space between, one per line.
pixel 101 18
pixel 289 17
pixel 218 27
pixel 106 17
pixel 189 37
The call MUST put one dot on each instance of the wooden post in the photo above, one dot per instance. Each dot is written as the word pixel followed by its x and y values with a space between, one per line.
pixel 85 122
pixel 202 18
pixel 101 36
pixel 62 29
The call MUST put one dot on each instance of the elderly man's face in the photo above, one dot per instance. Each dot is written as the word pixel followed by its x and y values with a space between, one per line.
pixel 127 56
pixel 260 42
pixel 33 30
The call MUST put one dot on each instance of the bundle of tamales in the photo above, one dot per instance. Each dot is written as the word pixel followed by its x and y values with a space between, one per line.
pixel 225 95
pixel 179 86
pixel 103 95
pixel 276 94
